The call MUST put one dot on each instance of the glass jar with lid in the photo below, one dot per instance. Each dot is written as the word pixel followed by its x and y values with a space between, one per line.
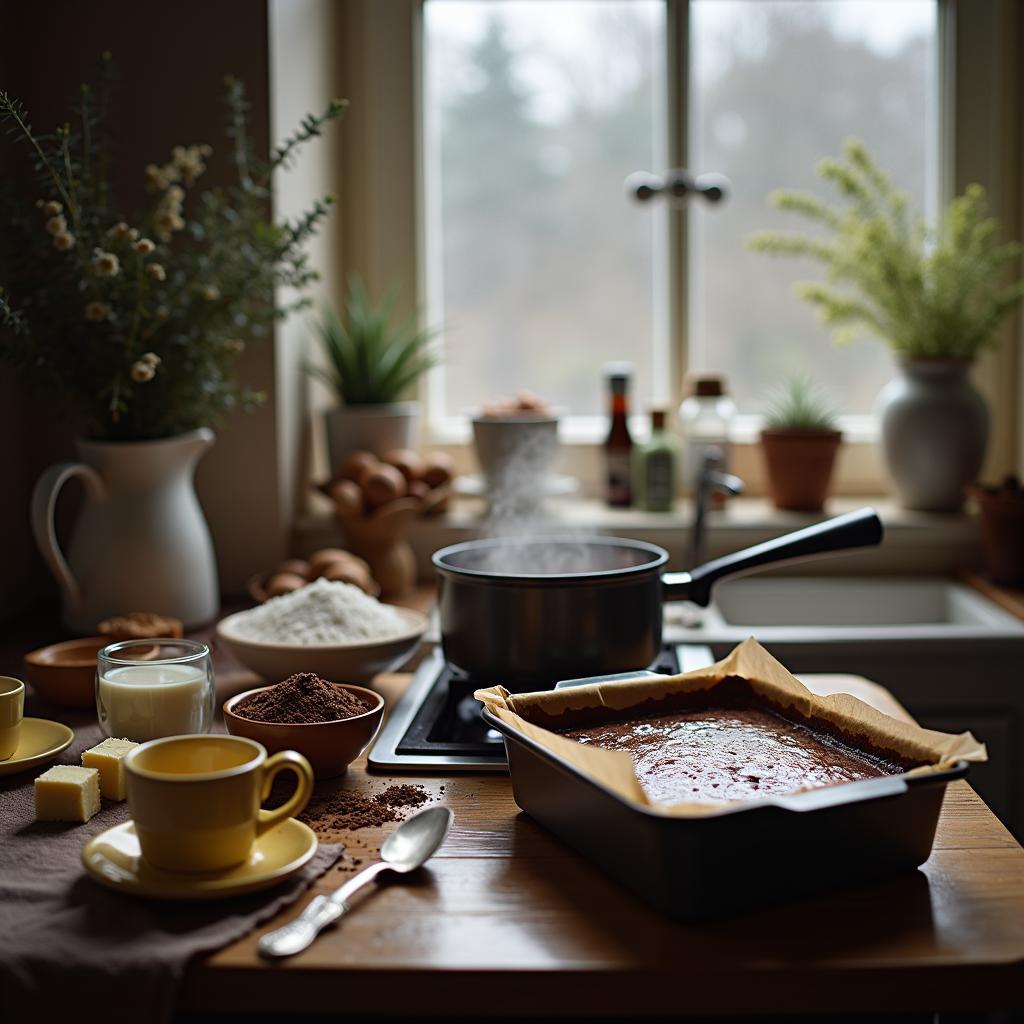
pixel 706 417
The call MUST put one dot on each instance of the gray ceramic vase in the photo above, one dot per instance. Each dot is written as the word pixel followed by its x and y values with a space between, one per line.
pixel 934 433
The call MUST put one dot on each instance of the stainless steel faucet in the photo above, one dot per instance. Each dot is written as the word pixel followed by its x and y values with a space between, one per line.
pixel 711 479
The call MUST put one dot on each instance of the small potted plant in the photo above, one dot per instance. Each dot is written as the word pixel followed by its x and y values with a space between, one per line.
pixel 799 441
pixel 371 361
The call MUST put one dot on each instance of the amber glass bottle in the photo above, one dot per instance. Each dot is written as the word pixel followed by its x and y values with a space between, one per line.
pixel 619 445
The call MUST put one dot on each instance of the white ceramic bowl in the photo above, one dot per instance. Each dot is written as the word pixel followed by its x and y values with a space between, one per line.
pixel 338 663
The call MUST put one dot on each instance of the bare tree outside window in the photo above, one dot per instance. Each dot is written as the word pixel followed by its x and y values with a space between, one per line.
pixel 776 86
pixel 541 269
pixel 538 267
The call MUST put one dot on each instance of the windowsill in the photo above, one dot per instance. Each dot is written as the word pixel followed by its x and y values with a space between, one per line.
pixel 915 542
pixel 592 430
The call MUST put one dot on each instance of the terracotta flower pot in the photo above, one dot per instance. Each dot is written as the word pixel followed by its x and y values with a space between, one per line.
pixel 1002 530
pixel 800 467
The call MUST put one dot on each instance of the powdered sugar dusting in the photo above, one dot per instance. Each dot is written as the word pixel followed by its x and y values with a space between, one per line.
pixel 324 612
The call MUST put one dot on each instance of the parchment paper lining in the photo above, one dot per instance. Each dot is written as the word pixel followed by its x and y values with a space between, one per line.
pixel 767 679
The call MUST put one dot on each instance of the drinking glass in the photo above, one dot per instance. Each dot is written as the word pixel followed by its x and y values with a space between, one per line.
pixel 146 689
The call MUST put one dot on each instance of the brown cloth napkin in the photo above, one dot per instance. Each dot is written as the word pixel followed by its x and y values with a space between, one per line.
pixel 69 947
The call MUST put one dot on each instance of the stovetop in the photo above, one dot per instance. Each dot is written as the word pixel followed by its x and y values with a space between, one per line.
pixel 437 724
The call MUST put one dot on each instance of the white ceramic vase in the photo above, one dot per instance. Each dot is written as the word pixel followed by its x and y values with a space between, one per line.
pixel 374 428
pixel 934 431
pixel 141 542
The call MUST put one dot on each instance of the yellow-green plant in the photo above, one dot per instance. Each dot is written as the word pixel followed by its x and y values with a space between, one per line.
pixel 929 293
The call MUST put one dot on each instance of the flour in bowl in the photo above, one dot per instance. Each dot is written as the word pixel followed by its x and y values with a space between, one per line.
pixel 324 612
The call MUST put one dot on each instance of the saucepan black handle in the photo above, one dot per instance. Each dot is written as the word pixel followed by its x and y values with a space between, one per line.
pixel 858 529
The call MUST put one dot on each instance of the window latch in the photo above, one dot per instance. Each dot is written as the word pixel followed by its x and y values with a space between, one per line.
pixel 677 185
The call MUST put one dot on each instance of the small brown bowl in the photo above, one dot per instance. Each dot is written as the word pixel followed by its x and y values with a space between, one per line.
pixel 330 747
pixel 65 674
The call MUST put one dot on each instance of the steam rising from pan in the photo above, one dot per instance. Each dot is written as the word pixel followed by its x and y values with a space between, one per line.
pixel 516 456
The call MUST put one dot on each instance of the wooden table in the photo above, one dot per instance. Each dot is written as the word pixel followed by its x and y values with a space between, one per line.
pixel 507 922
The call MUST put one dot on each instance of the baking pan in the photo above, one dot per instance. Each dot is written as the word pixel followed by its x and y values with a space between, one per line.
pixel 747 856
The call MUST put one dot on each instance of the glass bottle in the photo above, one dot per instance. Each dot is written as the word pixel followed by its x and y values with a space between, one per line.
pixel 618 446
pixel 654 478
pixel 706 417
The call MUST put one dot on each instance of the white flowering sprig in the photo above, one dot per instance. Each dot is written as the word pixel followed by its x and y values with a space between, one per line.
pixel 139 321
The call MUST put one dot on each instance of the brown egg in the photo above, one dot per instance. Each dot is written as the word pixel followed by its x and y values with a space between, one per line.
pixel 344 572
pixel 348 499
pixel 382 484
pixel 438 469
pixel 284 583
pixel 319 560
pixel 347 558
pixel 407 462
pixel 294 566
pixel 355 464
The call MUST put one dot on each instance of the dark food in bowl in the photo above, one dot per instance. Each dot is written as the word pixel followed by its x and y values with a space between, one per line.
pixel 737 753
pixel 301 699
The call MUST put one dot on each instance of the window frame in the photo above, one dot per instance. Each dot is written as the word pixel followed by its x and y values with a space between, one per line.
pixel 976 63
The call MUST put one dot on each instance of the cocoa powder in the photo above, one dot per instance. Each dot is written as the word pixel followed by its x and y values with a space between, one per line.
pixel 347 811
pixel 300 699
pixel 404 795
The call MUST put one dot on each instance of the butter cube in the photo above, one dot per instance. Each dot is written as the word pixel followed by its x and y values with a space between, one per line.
pixel 107 758
pixel 66 792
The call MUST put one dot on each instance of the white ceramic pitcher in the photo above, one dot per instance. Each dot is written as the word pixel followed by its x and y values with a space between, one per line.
pixel 141 542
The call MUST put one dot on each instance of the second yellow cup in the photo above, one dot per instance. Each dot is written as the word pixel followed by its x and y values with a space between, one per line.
pixel 196 799
pixel 12 706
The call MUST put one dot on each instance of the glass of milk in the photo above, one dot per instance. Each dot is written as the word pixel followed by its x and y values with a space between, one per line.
pixel 146 689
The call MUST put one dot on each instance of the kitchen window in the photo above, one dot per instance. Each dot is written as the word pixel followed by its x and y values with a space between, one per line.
pixel 540 267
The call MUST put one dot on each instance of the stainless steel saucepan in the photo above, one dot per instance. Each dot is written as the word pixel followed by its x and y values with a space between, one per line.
pixel 528 612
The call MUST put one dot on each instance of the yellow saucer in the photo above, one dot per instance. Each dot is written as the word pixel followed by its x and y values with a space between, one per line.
pixel 39 741
pixel 113 858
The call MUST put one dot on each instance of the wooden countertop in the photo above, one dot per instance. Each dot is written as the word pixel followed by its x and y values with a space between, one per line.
pixel 505 921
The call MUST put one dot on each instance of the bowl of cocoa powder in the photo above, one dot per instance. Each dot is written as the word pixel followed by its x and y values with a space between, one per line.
pixel 330 723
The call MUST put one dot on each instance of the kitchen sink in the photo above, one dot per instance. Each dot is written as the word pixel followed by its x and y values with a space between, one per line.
pixel 847 605
pixel 951 656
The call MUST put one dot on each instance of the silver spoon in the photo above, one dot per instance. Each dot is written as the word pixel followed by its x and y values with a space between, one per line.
pixel 407 848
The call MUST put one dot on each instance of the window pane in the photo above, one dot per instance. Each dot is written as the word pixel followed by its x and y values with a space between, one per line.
pixel 538 266
pixel 777 85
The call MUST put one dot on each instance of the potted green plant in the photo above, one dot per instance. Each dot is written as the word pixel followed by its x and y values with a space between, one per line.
pixel 135 324
pixel 371 360
pixel 936 295
pixel 799 440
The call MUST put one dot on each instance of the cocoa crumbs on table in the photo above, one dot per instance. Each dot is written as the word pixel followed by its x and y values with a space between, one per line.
pixel 347 811
pixel 404 795
pixel 301 699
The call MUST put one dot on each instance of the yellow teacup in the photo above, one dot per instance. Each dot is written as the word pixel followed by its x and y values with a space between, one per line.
pixel 196 799
pixel 12 708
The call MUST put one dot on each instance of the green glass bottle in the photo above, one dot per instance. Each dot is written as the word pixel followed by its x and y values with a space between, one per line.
pixel 654 484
